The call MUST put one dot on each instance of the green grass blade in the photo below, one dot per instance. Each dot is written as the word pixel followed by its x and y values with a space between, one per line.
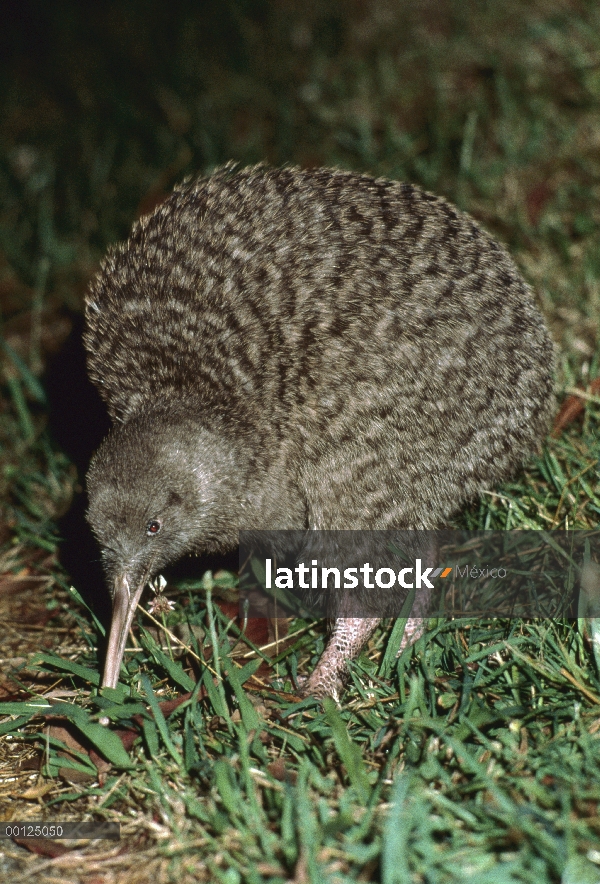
pixel 349 752
pixel 160 720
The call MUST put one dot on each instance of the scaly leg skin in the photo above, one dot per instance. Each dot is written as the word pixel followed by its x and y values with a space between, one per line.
pixel 347 640
pixel 350 635
pixel 414 629
pixel 421 609
pixel 417 622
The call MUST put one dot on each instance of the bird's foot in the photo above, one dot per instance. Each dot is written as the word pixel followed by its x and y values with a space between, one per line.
pixel 320 685
pixel 347 640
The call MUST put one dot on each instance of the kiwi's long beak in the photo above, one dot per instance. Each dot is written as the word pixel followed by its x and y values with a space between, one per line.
pixel 124 605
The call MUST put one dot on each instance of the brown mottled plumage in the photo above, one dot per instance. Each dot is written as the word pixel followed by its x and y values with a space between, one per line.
pixel 287 349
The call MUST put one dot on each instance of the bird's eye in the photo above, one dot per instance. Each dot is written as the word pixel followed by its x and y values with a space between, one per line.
pixel 153 527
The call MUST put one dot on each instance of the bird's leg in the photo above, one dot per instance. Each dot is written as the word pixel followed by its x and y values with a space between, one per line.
pixel 350 635
pixel 416 623
pixel 347 640
pixel 414 629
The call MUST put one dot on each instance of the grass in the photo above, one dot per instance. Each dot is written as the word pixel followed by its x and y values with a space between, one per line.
pixel 476 757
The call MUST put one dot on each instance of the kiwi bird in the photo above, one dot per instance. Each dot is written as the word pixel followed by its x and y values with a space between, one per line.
pixel 280 348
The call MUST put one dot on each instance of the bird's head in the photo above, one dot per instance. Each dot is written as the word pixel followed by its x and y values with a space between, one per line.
pixel 159 486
